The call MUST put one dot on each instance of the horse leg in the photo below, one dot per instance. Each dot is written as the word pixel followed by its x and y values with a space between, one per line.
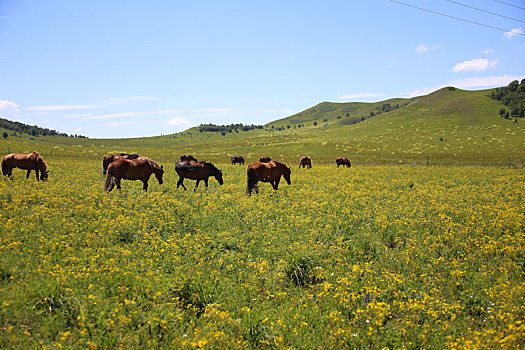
pixel 181 182
pixel 145 186
pixel 28 172
pixel 276 187
pixel 37 177
pixel 117 181
pixel 196 185
pixel 206 182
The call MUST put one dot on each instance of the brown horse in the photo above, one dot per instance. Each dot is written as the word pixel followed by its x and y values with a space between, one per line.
pixel 266 172
pixel 305 162
pixel 343 161
pixel 113 157
pixel 140 168
pixel 237 160
pixel 197 171
pixel 26 161
pixel 187 157
pixel 265 159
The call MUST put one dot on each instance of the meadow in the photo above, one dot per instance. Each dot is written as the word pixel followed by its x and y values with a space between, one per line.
pixel 366 257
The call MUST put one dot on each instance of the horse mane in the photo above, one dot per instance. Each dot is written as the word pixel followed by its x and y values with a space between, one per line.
pixel 42 162
pixel 211 166
pixel 151 162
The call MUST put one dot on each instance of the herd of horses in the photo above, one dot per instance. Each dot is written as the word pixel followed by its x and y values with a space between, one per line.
pixel 134 167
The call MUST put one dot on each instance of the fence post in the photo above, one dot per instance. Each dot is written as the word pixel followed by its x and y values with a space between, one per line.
pixel 51 153
pixel 428 161
pixel 509 163
pixel 98 156
pixel 357 160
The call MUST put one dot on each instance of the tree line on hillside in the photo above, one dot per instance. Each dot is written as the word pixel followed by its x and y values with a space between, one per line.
pixel 228 128
pixel 512 96
pixel 32 130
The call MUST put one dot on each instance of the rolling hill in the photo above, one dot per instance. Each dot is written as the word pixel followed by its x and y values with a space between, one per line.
pixel 451 126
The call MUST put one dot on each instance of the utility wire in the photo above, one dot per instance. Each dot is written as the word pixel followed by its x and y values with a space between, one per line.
pixel 457 18
pixel 506 3
pixel 478 9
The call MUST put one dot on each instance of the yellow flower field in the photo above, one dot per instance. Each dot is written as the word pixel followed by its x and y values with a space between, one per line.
pixel 366 257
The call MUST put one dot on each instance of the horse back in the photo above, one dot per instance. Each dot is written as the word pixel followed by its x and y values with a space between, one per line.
pixel 131 169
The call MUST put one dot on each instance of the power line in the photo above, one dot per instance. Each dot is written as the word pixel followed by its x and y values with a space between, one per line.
pixel 478 9
pixel 457 18
pixel 506 3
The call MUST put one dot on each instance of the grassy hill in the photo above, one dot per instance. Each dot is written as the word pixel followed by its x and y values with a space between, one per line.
pixel 450 126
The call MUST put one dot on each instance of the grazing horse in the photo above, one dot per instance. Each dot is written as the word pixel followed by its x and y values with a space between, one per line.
pixel 265 159
pixel 113 157
pixel 305 162
pixel 343 161
pixel 189 158
pixel 237 160
pixel 26 161
pixel 266 172
pixel 140 168
pixel 197 171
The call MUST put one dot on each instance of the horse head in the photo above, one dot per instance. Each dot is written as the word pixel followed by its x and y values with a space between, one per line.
pixel 158 174
pixel 44 175
pixel 218 177
pixel 286 174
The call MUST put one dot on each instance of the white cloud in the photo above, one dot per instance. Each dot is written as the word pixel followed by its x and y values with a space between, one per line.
pixel 116 115
pixel 3 17
pixel 55 108
pixel 122 100
pixel 477 65
pixel 465 83
pixel 421 48
pixel 177 121
pixel 8 108
pixel 513 32
pixel 489 81
pixel 117 124
pixel 131 114
pixel 215 110
pixel 359 95
pixel 487 51
pixel 77 115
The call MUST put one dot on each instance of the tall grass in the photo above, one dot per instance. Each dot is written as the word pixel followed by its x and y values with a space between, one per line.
pixel 366 257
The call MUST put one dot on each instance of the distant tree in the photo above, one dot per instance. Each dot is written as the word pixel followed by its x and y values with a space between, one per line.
pixel 315 123
pixel 502 112
pixel 4 134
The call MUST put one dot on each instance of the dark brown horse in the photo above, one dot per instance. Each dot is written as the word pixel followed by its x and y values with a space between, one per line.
pixel 305 162
pixel 266 172
pixel 113 157
pixel 187 157
pixel 140 168
pixel 25 161
pixel 265 159
pixel 197 171
pixel 343 161
pixel 237 160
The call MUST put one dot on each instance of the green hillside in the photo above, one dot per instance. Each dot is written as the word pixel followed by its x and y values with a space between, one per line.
pixel 450 126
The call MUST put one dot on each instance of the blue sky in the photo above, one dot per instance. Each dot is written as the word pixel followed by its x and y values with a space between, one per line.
pixel 142 68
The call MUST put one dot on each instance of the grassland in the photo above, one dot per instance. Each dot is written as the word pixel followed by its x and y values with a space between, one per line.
pixel 367 257
pixel 451 126
pixel 375 256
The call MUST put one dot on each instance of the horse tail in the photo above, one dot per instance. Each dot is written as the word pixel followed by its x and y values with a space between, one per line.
pixel 110 182
pixel 5 168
